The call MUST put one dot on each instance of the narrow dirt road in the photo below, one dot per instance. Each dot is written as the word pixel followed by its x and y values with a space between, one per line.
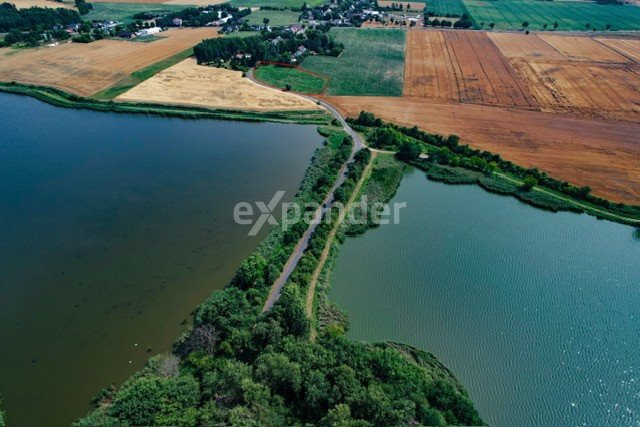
pixel 301 246
pixel 311 289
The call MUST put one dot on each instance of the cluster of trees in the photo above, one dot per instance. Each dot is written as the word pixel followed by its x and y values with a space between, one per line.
pixel 396 7
pixel 84 7
pixel 455 154
pixel 463 23
pixel 437 22
pixel 238 366
pixel 34 18
pixel 276 46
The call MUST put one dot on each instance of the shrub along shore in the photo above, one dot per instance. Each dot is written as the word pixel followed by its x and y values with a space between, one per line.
pixel 239 366
pixel 67 100
pixel 444 159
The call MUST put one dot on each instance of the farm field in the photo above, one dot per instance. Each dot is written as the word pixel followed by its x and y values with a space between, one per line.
pixel 371 63
pixel 446 7
pixel 85 69
pixel 300 81
pixel 413 6
pixel 461 66
pixel 123 12
pixel 23 4
pixel 628 47
pixel 576 75
pixel 276 17
pixel 602 154
pixel 569 14
pixel 277 3
pixel 188 83
pixel 582 49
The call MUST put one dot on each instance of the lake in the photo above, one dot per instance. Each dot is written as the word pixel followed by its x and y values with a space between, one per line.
pixel 537 313
pixel 113 228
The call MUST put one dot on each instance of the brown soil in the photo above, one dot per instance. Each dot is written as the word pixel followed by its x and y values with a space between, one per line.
pixel 188 83
pixel 627 47
pixel 523 46
pixel 602 154
pixel 85 69
pixel 23 4
pixel 465 66
pixel 578 48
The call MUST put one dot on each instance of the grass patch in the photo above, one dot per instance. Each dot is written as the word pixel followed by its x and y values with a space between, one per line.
pixel 123 12
pixel 281 4
pixel 372 62
pixel 300 81
pixel 242 34
pixel 141 75
pixel 277 18
pixel 334 135
pixel 64 99
pixel 570 15
pixel 446 7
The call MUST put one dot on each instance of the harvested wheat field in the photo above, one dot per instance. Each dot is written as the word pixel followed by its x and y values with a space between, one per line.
pixel 188 83
pixel 461 66
pixel 417 6
pixel 23 4
pixel 523 46
pixel 85 69
pixel 597 90
pixel 602 154
pixel 627 47
pixel 578 48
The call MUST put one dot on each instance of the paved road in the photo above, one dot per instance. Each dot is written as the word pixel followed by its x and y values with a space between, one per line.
pixel 301 246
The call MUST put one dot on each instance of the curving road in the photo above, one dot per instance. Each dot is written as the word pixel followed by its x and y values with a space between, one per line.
pixel 301 246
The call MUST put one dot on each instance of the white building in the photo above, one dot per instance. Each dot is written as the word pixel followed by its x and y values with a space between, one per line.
pixel 148 31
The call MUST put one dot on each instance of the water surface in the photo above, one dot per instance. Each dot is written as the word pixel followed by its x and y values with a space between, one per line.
pixel 537 313
pixel 112 229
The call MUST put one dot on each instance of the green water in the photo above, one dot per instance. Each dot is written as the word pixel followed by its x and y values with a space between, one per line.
pixel 113 228
pixel 537 313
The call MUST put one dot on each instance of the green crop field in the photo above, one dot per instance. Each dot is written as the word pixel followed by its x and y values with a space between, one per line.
pixel 276 17
pixel 372 62
pixel 299 80
pixel 283 4
pixel 123 12
pixel 446 7
pixel 570 15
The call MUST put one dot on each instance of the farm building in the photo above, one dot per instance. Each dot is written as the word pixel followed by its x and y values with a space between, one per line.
pixel 148 31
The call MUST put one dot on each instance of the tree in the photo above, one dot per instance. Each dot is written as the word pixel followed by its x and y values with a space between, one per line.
pixel 408 151
pixel 544 27
pixel 607 27
pixel 491 25
pixel 525 25
pixel 555 25
pixel 481 24
pixel 287 86
pixel 529 182
pixel 265 21
pixel 587 26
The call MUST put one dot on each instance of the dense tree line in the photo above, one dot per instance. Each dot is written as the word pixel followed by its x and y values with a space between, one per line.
pixel 34 18
pixel 277 46
pixel 84 7
pixel 452 153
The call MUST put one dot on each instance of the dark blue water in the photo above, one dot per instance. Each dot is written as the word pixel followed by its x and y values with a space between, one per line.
pixel 537 313
pixel 113 228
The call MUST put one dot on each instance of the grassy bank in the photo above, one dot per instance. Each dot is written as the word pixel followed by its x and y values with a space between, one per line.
pixel 67 100
pixel 141 75
pixel 449 162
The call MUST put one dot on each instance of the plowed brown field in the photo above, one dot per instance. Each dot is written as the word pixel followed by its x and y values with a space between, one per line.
pixel 461 66
pixel 524 46
pixel 85 69
pixel 596 90
pixel 603 154
pixel 628 47
pixel 579 48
